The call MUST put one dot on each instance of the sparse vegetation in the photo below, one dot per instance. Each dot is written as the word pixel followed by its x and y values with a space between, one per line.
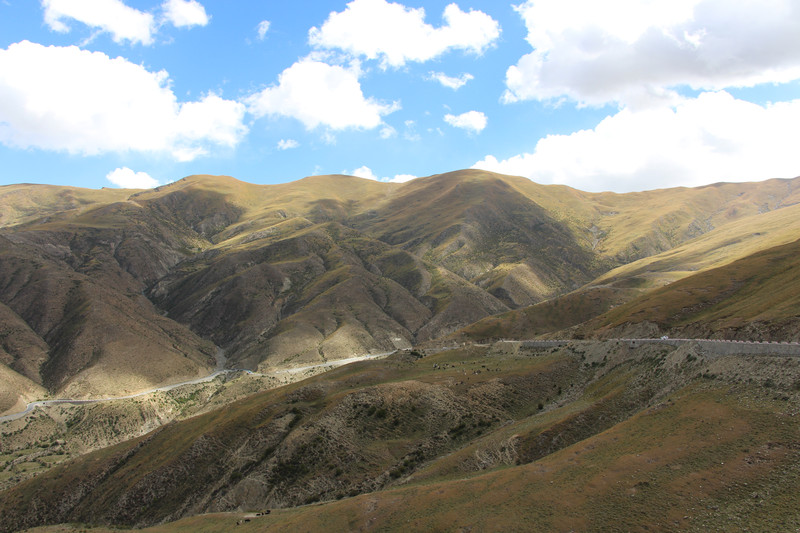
pixel 107 292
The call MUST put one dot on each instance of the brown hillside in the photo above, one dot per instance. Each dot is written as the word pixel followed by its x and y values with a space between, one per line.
pixel 754 298
pixel 333 266
pixel 474 436
pixel 478 226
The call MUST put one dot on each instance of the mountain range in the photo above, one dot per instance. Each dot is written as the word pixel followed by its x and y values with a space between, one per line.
pixel 109 291
pixel 518 393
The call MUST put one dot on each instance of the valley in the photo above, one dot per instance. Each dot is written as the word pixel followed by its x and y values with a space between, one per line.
pixel 362 354
pixel 305 371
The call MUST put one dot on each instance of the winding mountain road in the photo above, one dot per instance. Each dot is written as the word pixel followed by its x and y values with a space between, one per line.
pixel 220 369
pixel 718 346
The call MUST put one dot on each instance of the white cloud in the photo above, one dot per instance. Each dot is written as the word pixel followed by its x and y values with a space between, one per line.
pixel 410 133
pixel 82 102
pixel 128 179
pixel 328 137
pixel 262 29
pixel 212 120
pixel 450 82
pixel 319 94
pixel 387 132
pixel 367 173
pixel 185 13
pixel 474 121
pixel 635 52
pixel 113 16
pixel 713 137
pixel 402 178
pixel 396 34
pixel 287 144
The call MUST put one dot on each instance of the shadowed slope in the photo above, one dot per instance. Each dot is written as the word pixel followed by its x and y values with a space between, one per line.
pixel 80 335
pixel 478 226
pixel 323 292
pixel 75 279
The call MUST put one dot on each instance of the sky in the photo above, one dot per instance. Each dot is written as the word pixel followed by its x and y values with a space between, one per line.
pixel 618 95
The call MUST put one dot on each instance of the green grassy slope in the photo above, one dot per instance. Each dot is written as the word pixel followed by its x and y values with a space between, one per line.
pixel 553 315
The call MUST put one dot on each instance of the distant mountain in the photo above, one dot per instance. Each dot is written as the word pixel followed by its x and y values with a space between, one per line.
pixel 739 281
pixel 753 298
pixel 113 290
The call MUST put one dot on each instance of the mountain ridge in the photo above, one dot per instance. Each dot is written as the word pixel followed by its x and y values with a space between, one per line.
pixel 320 268
pixel 133 289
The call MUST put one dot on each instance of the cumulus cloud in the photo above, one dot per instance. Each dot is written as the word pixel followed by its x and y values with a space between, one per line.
pixel 319 94
pixel 364 172
pixel 636 52
pixel 713 137
pixel 367 173
pixel 124 23
pixel 287 144
pixel 128 179
pixel 450 82
pixel 474 121
pixel 396 34
pixel 211 120
pixel 185 13
pixel 82 102
pixel 262 29
pixel 402 178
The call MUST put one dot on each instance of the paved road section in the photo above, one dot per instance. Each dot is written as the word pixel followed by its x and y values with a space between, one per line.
pixel 710 346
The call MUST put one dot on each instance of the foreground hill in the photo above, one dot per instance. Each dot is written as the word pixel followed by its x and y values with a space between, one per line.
pixel 110 291
pixel 586 436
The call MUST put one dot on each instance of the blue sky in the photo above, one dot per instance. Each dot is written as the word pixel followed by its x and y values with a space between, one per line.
pixel 617 95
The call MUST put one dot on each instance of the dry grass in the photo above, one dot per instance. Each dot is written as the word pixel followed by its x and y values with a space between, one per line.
pixel 310 275
pixel 624 447
pixel 764 287
pixel 711 457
